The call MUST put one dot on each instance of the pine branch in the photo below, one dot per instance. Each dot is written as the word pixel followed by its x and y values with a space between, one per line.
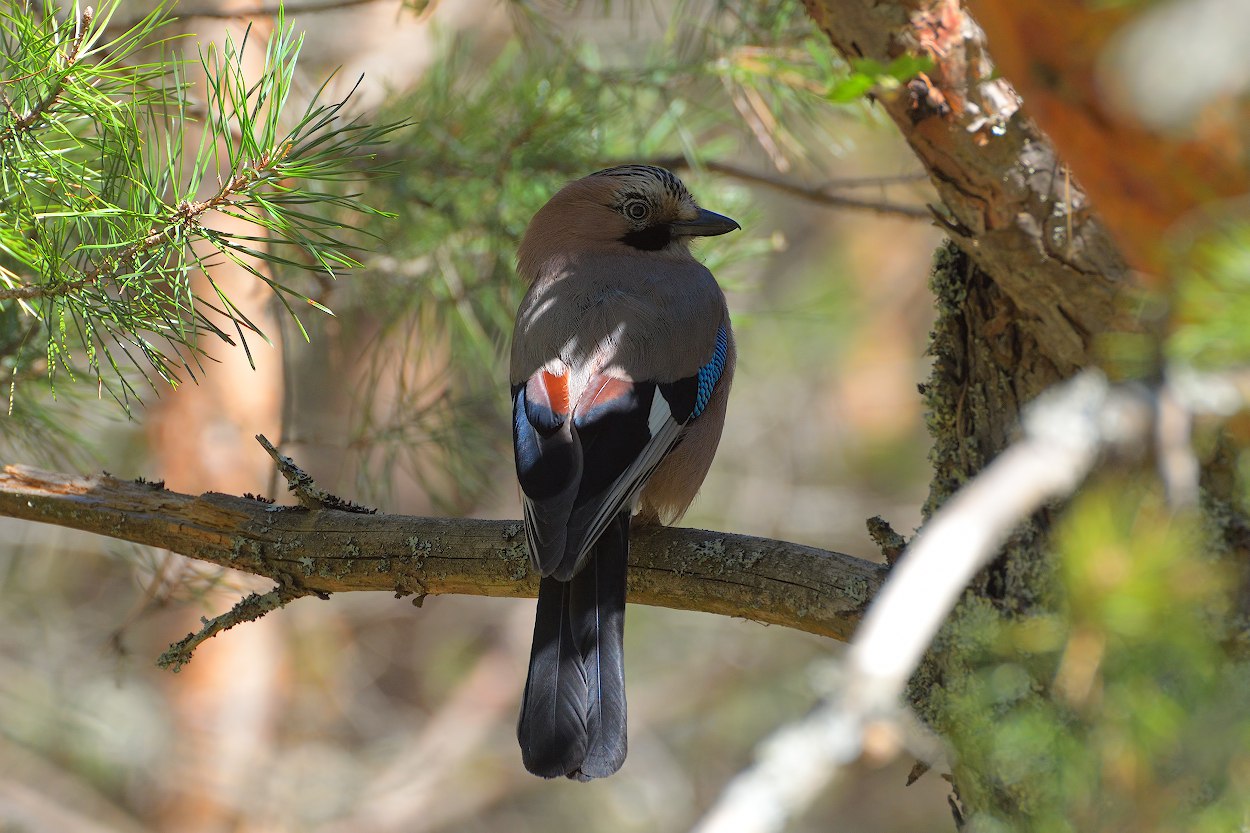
pixel 327 551
pixel 25 122
pixel 105 250
pixel 186 217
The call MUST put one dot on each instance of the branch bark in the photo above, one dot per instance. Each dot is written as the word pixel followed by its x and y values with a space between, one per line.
pixel 328 551
pixel 1013 207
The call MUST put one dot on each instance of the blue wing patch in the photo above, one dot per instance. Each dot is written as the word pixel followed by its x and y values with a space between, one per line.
pixel 710 373
pixel 688 397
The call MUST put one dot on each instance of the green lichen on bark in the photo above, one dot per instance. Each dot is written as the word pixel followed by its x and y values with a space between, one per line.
pixel 985 367
pixel 944 392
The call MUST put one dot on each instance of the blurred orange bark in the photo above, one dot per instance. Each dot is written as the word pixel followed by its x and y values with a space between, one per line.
pixel 225 703
pixel 1141 181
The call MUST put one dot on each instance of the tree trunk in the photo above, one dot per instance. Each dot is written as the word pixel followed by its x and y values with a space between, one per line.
pixel 1031 277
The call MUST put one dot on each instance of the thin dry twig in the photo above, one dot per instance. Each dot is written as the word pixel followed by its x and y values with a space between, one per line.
pixel 301 484
pixel 827 195
pixel 1178 464
pixel 249 609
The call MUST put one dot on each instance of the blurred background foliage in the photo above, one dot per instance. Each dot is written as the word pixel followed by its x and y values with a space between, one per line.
pixel 1213 295
pixel 1116 706
pixel 363 714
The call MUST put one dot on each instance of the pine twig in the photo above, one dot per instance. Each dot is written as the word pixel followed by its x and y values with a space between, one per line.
pixel 25 122
pixel 185 216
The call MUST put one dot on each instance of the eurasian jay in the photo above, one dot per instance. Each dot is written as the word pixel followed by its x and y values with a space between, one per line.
pixel 621 364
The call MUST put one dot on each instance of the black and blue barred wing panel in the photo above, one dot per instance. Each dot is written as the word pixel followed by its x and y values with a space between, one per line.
pixel 689 396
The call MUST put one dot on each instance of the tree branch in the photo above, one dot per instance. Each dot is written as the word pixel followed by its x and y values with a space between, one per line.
pixel 249 609
pixel 1012 205
pixel 328 551
pixel 25 292
pixel 825 195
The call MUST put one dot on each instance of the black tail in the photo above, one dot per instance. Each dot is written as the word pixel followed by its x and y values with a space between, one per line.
pixel 573 712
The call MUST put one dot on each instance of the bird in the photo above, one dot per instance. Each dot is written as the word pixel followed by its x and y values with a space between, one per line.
pixel 621 363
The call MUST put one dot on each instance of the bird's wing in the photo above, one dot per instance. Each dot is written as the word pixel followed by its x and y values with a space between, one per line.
pixel 581 463
pixel 548 464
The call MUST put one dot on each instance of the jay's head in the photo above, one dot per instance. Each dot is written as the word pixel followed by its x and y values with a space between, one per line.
pixel 630 208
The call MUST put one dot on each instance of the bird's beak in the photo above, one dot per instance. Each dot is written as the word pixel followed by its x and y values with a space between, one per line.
pixel 706 224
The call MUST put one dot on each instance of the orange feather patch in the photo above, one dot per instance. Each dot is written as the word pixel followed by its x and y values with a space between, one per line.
pixel 605 389
pixel 557 390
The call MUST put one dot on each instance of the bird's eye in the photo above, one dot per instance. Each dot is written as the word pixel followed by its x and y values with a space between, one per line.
pixel 636 209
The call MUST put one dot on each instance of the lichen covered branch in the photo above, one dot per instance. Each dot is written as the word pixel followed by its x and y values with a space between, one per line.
pixel 249 609
pixel 331 551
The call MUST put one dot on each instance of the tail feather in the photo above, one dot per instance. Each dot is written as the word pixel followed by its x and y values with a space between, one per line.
pixel 573 711
pixel 597 611
pixel 552 727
